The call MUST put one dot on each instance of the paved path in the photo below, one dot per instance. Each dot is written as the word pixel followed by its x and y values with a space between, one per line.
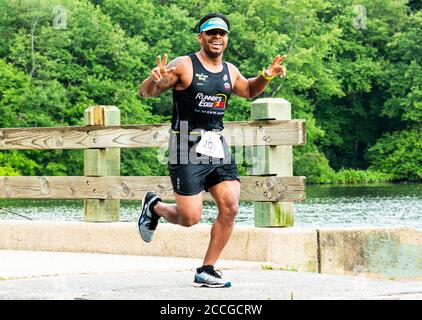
pixel 58 275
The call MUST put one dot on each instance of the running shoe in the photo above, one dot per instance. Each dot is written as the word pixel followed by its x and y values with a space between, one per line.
pixel 148 219
pixel 206 276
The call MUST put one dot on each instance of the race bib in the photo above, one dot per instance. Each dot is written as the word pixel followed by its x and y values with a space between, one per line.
pixel 210 145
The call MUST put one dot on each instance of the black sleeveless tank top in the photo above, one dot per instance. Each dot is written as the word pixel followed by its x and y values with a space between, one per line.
pixel 203 103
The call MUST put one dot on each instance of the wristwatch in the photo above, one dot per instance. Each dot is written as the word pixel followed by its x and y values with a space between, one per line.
pixel 265 75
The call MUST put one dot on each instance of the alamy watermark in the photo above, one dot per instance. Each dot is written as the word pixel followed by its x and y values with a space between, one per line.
pixel 182 147
pixel 60 18
pixel 359 22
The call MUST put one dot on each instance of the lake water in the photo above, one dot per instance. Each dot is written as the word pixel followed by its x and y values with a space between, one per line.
pixel 325 206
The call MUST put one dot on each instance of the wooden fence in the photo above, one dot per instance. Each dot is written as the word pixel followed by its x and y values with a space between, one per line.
pixel 268 138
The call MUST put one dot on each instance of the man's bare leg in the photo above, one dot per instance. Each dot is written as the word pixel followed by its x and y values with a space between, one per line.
pixel 226 195
pixel 186 212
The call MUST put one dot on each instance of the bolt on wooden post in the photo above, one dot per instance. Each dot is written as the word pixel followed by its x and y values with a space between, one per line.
pixel 270 160
pixel 102 162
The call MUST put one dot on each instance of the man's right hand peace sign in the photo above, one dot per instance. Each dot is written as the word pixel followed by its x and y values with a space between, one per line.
pixel 161 71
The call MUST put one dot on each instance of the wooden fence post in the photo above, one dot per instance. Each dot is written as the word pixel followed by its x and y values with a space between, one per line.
pixel 269 160
pixel 102 162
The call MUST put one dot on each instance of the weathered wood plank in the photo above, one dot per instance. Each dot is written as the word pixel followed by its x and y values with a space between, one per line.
pixel 102 162
pixel 273 160
pixel 238 133
pixel 253 188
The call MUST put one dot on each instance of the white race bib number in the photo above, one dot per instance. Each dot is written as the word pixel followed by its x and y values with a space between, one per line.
pixel 210 145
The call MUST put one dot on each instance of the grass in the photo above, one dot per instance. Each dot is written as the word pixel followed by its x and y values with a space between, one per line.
pixel 351 176
pixel 269 267
pixel 348 176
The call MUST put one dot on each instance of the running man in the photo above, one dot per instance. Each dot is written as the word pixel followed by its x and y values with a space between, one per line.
pixel 199 158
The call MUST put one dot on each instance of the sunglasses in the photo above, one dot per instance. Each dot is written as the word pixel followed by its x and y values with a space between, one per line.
pixel 215 32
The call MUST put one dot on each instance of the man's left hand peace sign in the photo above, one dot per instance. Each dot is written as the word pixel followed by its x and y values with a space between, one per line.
pixel 276 68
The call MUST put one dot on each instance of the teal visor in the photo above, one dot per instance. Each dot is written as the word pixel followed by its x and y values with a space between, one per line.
pixel 214 23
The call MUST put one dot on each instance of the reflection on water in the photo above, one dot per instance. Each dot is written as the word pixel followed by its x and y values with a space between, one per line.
pixel 386 205
pixel 325 206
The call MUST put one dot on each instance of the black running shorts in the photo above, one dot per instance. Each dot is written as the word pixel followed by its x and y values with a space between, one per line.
pixel 200 172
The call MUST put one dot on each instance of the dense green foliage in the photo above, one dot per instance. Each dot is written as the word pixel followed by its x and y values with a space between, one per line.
pixel 357 82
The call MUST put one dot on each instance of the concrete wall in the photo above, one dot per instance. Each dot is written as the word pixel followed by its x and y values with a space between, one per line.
pixel 382 252
pixel 289 248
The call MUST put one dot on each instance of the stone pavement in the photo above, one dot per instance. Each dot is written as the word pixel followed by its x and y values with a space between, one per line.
pixel 64 275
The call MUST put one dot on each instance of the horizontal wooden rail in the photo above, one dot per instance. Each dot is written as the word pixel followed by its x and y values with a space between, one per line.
pixel 242 133
pixel 254 188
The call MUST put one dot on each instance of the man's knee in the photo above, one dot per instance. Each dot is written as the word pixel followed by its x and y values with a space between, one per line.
pixel 234 208
pixel 189 218
pixel 190 221
pixel 229 210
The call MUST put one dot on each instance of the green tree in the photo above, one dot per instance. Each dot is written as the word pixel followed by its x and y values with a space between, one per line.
pixel 399 154
pixel 356 82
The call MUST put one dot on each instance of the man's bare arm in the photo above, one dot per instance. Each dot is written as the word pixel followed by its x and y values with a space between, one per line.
pixel 250 88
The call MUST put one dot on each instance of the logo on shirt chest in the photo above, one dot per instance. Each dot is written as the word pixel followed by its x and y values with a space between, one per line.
pixel 201 77
pixel 211 101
